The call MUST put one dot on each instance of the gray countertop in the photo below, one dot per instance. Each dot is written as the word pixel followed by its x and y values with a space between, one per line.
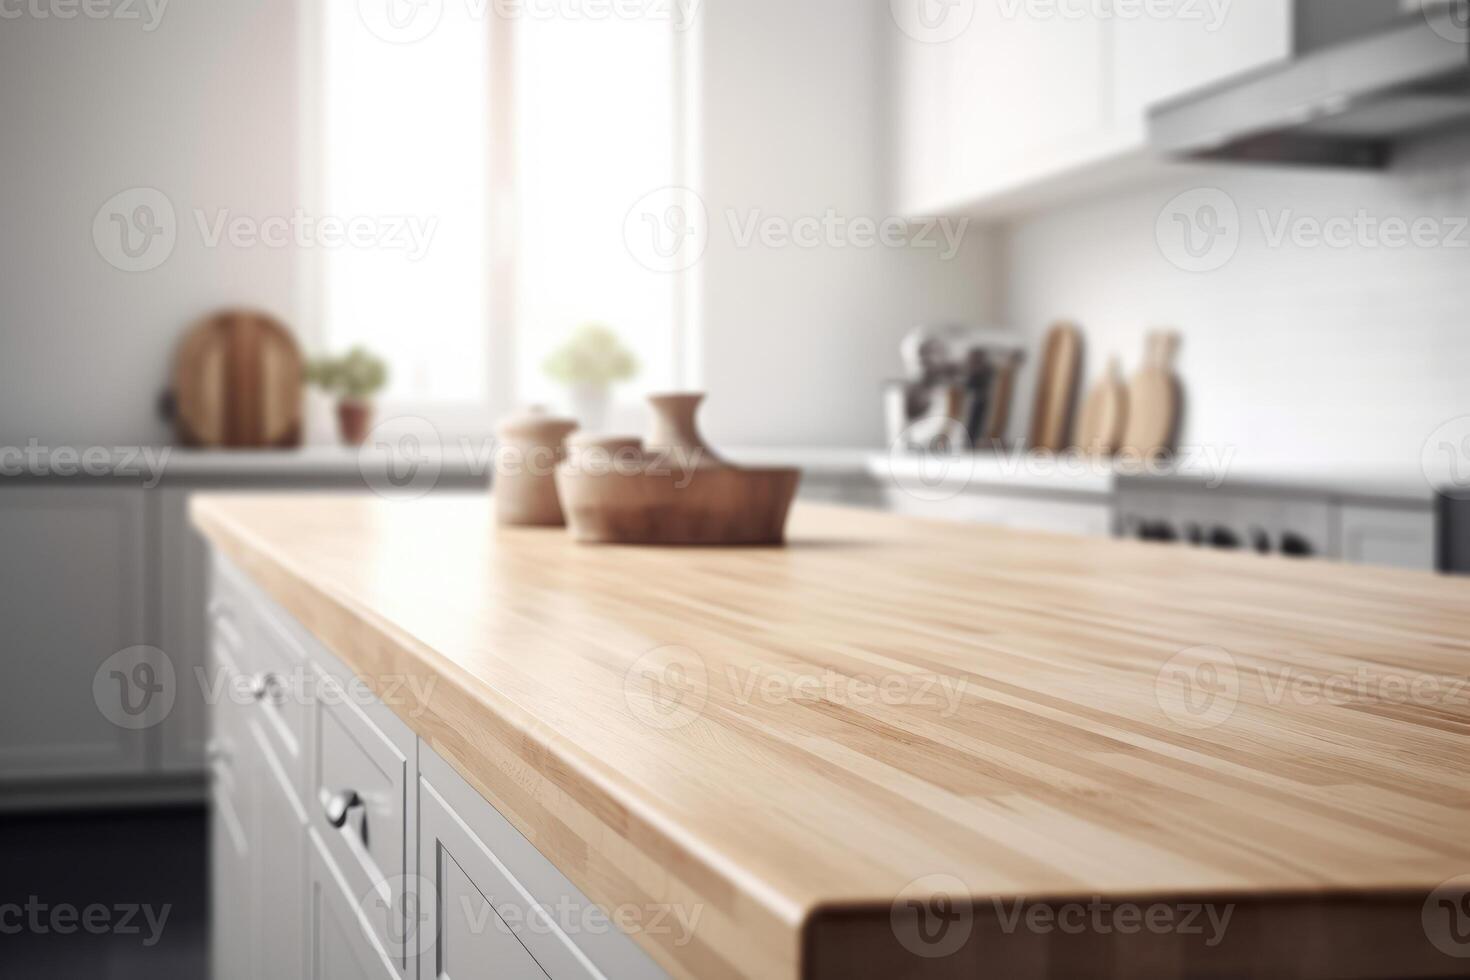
pixel 470 465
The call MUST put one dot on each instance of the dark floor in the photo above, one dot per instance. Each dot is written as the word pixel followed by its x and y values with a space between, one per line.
pixel 104 896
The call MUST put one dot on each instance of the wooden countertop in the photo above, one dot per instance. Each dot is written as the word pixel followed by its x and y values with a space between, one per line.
pixel 1049 718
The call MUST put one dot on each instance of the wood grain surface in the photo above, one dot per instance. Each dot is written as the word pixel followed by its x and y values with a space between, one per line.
pixel 1154 400
pixel 238 378
pixel 1057 375
pixel 1043 720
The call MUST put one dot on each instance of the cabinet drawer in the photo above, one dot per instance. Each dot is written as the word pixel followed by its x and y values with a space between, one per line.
pixel 278 679
pixel 359 807
pixel 497 907
pixel 340 943
pixel 255 642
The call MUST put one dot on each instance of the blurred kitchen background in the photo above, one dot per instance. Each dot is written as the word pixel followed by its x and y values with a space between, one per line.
pixel 1189 271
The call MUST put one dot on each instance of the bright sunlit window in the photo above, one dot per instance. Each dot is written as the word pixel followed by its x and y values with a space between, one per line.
pixel 595 109
pixel 405 157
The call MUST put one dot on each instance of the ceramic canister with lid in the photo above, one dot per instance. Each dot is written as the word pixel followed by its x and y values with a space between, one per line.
pixel 529 449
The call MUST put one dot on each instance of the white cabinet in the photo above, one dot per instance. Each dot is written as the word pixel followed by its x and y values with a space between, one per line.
pixel 278 859
pixel 338 946
pixel 72 596
pixel 1397 537
pixel 1196 43
pixel 1054 515
pixel 230 758
pixel 182 592
pixel 1035 99
pixel 1004 95
pixel 389 865
pixel 258 823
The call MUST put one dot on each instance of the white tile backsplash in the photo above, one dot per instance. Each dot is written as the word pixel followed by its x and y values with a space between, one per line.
pixel 1293 354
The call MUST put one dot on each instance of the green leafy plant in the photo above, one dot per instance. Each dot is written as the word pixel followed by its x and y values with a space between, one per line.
pixel 356 375
pixel 593 357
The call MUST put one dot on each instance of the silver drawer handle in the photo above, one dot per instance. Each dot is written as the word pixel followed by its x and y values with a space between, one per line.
pixel 267 687
pixel 338 806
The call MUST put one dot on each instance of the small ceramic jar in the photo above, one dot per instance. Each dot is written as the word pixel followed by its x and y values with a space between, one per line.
pixel 529 449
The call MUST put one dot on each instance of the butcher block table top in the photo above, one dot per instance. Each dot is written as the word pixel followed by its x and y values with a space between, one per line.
pixel 904 748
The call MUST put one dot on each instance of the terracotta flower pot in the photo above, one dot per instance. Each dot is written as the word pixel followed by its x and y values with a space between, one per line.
pixel 354 420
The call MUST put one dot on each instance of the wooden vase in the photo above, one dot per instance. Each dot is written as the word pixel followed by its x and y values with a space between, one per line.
pixel 675 433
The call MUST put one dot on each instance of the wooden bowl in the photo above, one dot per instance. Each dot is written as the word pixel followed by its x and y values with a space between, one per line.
pixel 714 506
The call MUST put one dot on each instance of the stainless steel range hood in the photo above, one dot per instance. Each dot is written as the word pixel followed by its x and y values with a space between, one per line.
pixel 1342 101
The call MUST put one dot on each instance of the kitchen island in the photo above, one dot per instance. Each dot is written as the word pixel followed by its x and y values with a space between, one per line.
pixel 904 748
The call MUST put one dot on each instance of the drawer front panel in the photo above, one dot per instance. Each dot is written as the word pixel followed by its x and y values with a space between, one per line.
pixel 359 808
pixel 491 891
pixel 340 945
pixel 280 680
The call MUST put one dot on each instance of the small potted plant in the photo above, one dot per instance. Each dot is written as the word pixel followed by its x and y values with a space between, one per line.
pixel 591 361
pixel 352 380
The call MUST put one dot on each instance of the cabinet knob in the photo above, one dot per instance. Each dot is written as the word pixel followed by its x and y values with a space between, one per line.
pixel 267 687
pixel 338 805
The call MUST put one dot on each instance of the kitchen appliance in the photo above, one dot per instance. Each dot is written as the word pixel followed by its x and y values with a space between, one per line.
pixel 957 395
pixel 1365 75
pixel 1365 519
pixel 1056 389
pixel 1153 401
pixel 1453 512
pixel 237 383
pixel 1261 519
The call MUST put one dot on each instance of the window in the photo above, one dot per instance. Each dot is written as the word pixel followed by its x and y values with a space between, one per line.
pixel 595 105
pixel 409 134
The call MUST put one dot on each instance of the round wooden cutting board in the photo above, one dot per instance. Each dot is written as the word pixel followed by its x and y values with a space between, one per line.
pixel 238 383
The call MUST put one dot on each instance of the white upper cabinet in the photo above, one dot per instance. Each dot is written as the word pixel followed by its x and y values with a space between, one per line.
pixel 1006 104
pixel 1201 42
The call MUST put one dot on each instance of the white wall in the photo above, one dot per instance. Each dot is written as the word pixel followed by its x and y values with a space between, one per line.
pixel 1292 355
pixel 798 342
pixel 201 108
